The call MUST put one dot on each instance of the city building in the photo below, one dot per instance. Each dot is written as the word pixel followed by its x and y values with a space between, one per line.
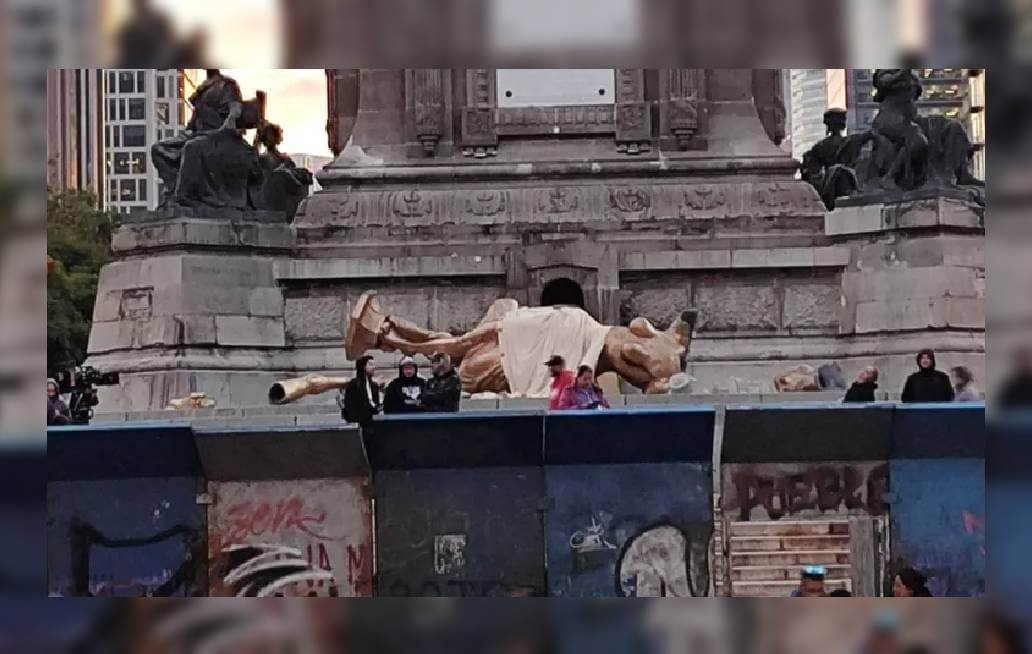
pixel 37 36
pixel 974 111
pixel 141 107
pixel 812 91
pixel 74 133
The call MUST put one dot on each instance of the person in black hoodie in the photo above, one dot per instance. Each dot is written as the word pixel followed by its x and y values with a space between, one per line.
pixel 402 395
pixel 863 388
pixel 1016 391
pixel 443 391
pixel 362 395
pixel 927 384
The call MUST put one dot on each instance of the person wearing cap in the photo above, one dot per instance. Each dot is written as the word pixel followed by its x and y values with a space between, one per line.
pixel 811 582
pixel 884 636
pixel 403 393
pixel 443 391
pixel 561 378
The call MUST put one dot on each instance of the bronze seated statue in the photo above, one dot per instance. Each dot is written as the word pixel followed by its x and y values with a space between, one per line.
pixel 639 353
pixel 210 164
pixel 903 151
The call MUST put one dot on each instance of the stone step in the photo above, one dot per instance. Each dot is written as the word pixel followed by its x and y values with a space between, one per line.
pixel 778 573
pixel 796 559
pixel 780 588
pixel 790 528
pixel 783 543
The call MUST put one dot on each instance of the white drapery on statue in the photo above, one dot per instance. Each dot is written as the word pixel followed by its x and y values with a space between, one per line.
pixel 530 336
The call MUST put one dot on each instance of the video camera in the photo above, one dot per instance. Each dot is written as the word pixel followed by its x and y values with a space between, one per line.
pixel 80 383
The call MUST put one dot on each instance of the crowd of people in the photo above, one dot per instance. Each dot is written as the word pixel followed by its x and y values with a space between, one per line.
pixel 364 398
pixel 442 391
pixel 926 384
pixel 907 582
pixel 407 393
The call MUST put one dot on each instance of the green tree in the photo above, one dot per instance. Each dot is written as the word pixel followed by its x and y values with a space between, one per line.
pixel 79 243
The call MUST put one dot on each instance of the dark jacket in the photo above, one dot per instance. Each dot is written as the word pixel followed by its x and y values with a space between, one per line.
pixel 928 384
pixel 403 394
pixel 57 411
pixel 442 392
pixel 861 392
pixel 1016 392
pixel 357 407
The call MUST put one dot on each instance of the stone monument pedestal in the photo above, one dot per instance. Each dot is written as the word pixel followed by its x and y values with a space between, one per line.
pixel 916 279
pixel 191 305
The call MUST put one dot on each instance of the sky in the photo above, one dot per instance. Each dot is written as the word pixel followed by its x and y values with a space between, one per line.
pixel 247 31
pixel 296 102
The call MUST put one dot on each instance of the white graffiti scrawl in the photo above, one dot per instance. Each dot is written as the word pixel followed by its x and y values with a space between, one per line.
pixel 263 570
pixel 655 563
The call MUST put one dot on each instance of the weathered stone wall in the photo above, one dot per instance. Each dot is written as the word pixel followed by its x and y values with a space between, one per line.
pixel 737 302
pixel 318 314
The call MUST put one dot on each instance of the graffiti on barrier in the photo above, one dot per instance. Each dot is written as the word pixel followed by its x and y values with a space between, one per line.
pixel 88 543
pixel 659 562
pixel 590 546
pixel 302 538
pixel 774 491
pixel 974 526
pixel 269 519
pixel 459 588
pixel 264 570
pixel 449 553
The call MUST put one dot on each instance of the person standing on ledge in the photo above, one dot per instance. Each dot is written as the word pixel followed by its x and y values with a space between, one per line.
pixel 57 410
pixel 964 385
pixel 362 396
pixel 402 395
pixel 584 393
pixel 927 384
pixel 561 379
pixel 863 388
pixel 908 582
pixel 443 391
pixel 811 582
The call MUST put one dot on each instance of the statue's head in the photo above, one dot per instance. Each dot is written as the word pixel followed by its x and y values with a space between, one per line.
pixel 835 120
pixel 661 354
pixel 900 82
pixel 270 135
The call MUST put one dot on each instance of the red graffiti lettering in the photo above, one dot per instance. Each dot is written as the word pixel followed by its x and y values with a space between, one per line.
pixel 974 525
pixel 820 488
pixel 360 569
pixel 264 518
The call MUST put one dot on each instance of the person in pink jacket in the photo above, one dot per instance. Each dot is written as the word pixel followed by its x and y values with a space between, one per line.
pixel 584 393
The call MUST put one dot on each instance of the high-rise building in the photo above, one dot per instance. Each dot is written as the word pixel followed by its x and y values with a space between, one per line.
pixel 141 107
pixel 812 92
pixel 74 133
pixel 37 36
pixel 974 111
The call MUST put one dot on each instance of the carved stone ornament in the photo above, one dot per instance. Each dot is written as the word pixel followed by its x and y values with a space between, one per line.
pixel 630 200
